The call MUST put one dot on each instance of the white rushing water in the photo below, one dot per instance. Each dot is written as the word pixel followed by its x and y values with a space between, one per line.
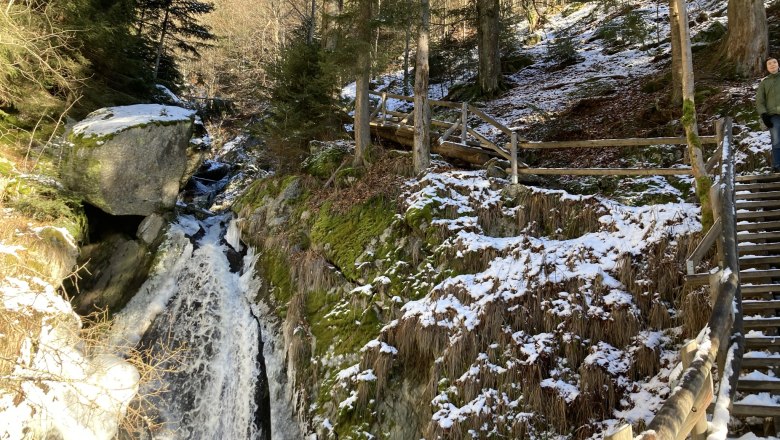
pixel 193 300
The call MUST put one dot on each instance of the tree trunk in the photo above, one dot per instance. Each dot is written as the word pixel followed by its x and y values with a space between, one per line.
pixel 746 45
pixel 162 41
pixel 422 109
pixel 489 74
pixel 331 10
pixel 363 71
pixel 703 180
pixel 312 23
pixel 406 62
pixel 676 56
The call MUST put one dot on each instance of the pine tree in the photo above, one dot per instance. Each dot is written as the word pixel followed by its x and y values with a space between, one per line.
pixel 174 23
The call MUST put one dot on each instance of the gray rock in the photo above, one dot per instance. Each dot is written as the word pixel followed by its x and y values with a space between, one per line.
pixel 150 228
pixel 131 160
pixel 119 267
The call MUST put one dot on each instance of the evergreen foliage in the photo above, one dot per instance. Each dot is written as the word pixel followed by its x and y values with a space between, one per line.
pixel 303 92
pixel 173 23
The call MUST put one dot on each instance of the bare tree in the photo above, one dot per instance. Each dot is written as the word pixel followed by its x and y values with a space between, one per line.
pixel 676 98
pixel 362 78
pixel 422 109
pixel 703 181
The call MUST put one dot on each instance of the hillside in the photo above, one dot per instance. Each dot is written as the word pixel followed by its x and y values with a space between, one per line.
pixel 372 302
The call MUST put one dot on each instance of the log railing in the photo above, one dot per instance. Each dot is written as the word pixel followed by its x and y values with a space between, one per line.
pixel 471 140
pixel 684 412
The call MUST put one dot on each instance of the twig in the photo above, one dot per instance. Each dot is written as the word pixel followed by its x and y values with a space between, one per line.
pixel 333 176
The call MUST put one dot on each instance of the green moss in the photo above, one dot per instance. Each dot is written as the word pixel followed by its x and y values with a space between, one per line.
pixel 254 195
pixel 689 113
pixel 276 272
pixel 344 237
pixel 47 204
pixel 6 168
pixel 323 163
pixel 418 218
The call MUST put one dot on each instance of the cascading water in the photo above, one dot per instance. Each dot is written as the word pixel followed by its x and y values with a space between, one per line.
pixel 198 299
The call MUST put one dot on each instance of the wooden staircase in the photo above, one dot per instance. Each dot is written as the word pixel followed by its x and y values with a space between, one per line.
pixel 757 200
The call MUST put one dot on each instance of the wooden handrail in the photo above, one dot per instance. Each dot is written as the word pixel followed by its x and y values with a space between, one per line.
pixel 611 143
pixel 683 412
pixel 704 245
pixel 509 151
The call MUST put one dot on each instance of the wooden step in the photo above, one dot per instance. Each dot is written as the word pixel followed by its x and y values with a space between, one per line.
pixel 756 274
pixel 759 260
pixel 753 215
pixel 756 236
pixel 759 187
pixel 757 178
pixel 745 275
pixel 761 342
pixel 758 385
pixel 759 204
pixel 741 409
pixel 764 195
pixel 770 360
pixel 751 323
pixel 749 249
pixel 758 226
pixel 753 306
pixel 759 288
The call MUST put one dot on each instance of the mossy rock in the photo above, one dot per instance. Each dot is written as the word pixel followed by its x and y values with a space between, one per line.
pixel 114 156
pixel 325 158
pixel 515 62
pixel 344 237
pixel 349 175
pixel 714 33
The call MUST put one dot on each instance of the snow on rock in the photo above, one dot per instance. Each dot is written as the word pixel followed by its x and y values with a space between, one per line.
pixel 110 120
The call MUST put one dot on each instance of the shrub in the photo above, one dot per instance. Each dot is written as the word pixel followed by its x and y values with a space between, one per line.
pixel 563 51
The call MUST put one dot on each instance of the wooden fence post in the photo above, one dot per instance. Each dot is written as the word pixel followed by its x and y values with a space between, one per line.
pixel 384 107
pixel 513 157
pixel 464 115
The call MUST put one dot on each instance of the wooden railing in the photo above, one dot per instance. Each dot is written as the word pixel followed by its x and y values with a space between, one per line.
pixel 684 412
pixel 471 139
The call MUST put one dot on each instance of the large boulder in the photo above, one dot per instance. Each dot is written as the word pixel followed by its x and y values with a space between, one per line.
pixel 131 160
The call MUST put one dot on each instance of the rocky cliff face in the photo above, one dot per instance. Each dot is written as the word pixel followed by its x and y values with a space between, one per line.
pixel 456 305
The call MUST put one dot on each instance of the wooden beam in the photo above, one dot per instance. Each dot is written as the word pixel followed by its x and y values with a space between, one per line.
pixel 435 102
pixel 489 119
pixel 485 142
pixel 607 171
pixel 476 156
pixel 704 245
pixel 624 432
pixel 610 143
pixel 449 132
pixel 696 422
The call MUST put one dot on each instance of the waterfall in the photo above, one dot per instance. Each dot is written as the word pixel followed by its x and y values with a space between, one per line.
pixel 193 300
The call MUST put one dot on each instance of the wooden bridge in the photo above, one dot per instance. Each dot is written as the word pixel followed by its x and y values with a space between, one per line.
pixel 454 134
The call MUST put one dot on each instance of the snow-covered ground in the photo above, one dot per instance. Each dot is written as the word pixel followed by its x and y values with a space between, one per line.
pixel 56 387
